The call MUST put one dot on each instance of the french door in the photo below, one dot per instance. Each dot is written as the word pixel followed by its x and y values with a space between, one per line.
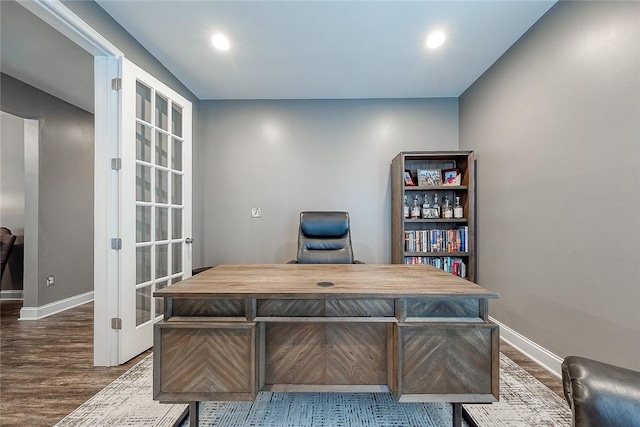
pixel 155 202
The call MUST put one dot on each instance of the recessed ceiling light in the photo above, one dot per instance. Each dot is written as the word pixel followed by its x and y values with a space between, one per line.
pixel 435 39
pixel 220 42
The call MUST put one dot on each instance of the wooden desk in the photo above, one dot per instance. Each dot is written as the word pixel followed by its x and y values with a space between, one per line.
pixel 416 331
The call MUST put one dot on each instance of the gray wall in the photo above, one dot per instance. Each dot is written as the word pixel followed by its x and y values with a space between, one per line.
pixel 102 22
pixel 290 156
pixel 555 127
pixel 12 194
pixel 65 243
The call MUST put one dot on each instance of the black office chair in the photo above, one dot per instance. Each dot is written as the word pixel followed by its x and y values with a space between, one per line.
pixel 601 395
pixel 6 244
pixel 324 238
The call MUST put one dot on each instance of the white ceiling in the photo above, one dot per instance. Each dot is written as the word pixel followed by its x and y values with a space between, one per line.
pixel 37 54
pixel 326 49
pixel 285 49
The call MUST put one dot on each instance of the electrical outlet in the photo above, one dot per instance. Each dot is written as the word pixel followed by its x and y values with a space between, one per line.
pixel 51 280
pixel 256 212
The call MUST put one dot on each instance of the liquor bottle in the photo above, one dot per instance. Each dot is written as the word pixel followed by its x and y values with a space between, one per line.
pixel 406 207
pixel 415 209
pixel 447 209
pixel 457 209
pixel 436 205
pixel 425 206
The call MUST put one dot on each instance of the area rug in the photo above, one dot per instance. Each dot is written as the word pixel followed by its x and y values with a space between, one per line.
pixel 127 401
pixel 524 401
pixel 324 410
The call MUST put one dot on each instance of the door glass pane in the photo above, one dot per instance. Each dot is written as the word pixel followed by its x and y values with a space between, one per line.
pixel 143 223
pixel 162 186
pixel 159 306
pixel 176 279
pixel 176 190
pixel 176 120
pixel 162 117
pixel 143 305
pixel 162 260
pixel 143 183
pixel 143 264
pixel 176 255
pixel 162 223
pixel 160 301
pixel 176 223
pixel 143 102
pixel 143 143
pixel 176 154
pixel 162 149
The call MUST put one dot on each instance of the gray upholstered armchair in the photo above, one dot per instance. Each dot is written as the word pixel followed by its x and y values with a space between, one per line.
pixel 325 238
pixel 601 395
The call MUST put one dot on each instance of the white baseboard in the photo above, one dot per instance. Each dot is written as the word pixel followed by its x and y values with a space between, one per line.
pixel 533 351
pixel 8 294
pixel 36 313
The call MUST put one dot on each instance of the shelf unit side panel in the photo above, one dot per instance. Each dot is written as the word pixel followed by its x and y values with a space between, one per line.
pixel 397 218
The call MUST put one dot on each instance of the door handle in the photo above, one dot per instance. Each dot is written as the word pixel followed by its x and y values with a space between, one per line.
pixel 188 240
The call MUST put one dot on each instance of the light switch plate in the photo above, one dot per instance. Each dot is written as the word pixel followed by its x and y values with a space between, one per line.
pixel 256 212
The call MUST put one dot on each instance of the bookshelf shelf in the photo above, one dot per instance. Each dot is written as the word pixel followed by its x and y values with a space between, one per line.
pixel 436 254
pixel 450 233
pixel 435 187
pixel 436 220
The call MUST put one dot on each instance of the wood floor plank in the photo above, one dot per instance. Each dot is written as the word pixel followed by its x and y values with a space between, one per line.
pixel 540 373
pixel 46 366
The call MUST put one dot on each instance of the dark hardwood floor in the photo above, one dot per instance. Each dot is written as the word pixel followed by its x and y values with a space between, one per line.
pixel 544 376
pixel 46 366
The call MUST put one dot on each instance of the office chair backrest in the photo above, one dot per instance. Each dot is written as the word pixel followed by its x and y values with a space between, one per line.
pixel 324 238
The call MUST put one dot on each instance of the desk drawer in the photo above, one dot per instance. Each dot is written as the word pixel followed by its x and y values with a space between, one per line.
pixel 198 361
pixel 446 362
pixel 207 307
pixel 443 308
pixel 326 308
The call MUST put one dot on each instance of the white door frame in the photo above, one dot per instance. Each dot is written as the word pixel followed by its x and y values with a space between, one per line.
pixel 107 63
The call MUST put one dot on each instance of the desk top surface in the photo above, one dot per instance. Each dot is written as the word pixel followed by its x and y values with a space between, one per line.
pixel 325 281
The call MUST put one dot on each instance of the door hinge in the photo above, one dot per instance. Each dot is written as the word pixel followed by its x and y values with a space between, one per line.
pixel 116 84
pixel 116 323
pixel 116 163
pixel 116 243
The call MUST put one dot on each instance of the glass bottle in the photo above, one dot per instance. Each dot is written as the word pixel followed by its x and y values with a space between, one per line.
pixel 415 209
pixel 447 209
pixel 436 205
pixel 425 206
pixel 406 207
pixel 458 212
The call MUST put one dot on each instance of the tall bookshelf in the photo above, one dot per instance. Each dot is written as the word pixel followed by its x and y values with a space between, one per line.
pixel 430 233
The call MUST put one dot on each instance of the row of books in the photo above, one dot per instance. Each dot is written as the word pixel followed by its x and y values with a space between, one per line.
pixel 437 240
pixel 449 264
